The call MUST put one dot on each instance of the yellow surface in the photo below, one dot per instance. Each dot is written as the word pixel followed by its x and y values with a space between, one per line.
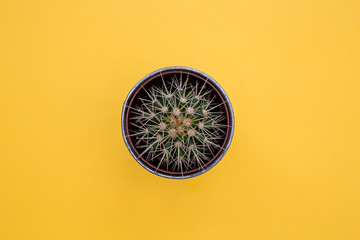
pixel 290 68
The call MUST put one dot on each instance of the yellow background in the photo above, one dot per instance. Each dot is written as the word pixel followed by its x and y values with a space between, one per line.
pixel 290 68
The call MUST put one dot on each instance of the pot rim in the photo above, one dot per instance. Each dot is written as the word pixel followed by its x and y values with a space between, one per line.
pixel 230 114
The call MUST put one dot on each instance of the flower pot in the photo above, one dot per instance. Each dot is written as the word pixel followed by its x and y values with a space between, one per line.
pixel 177 122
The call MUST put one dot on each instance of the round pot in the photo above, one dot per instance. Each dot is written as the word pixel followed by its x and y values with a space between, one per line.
pixel 141 89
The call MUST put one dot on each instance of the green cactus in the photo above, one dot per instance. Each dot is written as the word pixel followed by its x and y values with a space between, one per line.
pixel 177 124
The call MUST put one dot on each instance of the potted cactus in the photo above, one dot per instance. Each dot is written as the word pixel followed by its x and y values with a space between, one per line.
pixel 177 122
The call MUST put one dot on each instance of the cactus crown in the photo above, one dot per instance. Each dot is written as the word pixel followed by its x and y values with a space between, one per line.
pixel 178 124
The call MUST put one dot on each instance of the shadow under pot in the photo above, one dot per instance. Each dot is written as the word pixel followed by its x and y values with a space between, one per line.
pixel 177 122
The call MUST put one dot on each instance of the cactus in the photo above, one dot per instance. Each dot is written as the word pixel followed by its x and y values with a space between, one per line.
pixel 178 124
